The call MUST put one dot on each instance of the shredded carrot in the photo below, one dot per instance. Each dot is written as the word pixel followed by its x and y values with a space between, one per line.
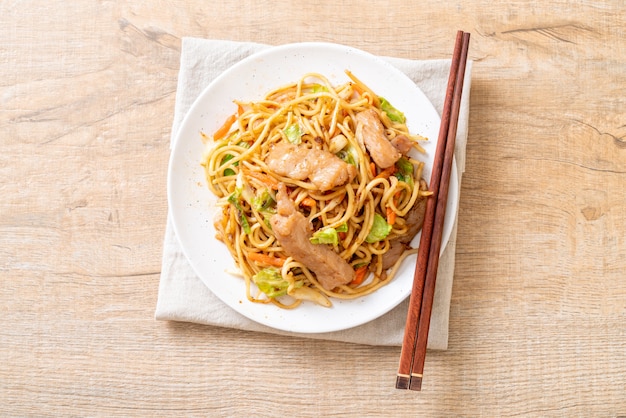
pixel 391 216
pixel 342 235
pixel 223 130
pixel 359 277
pixel 240 109
pixel 266 179
pixel 308 201
pixel 396 197
pixel 386 172
pixel 373 168
pixel 267 259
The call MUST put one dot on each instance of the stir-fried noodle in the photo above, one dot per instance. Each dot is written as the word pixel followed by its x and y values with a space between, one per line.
pixel 358 219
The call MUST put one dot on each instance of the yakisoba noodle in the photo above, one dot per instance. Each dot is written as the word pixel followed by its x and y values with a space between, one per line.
pixel 314 114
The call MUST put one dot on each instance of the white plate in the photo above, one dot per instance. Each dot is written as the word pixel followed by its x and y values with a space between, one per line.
pixel 192 204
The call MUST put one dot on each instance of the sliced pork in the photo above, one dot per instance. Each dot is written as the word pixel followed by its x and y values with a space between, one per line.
pixel 393 254
pixel 323 169
pixel 414 219
pixel 293 230
pixel 371 133
pixel 402 143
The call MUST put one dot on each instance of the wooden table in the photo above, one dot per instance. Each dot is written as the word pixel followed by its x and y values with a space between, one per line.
pixel 538 316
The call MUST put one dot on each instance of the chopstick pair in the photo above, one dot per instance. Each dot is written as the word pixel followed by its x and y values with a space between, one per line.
pixel 413 354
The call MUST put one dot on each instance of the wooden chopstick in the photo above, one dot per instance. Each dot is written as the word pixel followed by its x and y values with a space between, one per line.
pixel 410 369
pixel 415 300
pixel 433 258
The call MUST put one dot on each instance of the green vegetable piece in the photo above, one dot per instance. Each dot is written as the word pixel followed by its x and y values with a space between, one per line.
pixel 404 166
pixel 229 171
pixel 405 171
pixel 345 156
pixel 262 201
pixel 270 282
pixel 318 88
pixel 241 216
pixel 267 215
pixel 325 236
pixel 380 230
pixel 350 155
pixel 294 133
pixel 393 113
pixel 227 158
pixel 342 228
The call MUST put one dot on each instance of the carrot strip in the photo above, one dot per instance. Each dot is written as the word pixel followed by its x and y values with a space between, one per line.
pixel 396 197
pixel 223 130
pixel 361 274
pixel 386 172
pixel 391 216
pixel 373 168
pixel 308 202
pixel 267 259
pixel 266 179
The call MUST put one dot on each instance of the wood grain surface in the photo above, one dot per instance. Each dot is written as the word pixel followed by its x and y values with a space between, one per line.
pixel 538 315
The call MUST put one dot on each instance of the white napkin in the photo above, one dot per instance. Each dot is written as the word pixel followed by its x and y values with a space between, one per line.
pixel 184 297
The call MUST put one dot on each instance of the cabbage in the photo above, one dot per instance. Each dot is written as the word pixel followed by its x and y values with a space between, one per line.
pixel 393 113
pixel 405 171
pixel 241 216
pixel 228 157
pixel 318 88
pixel 294 133
pixel 379 231
pixel 263 200
pixel 325 236
pixel 350 155
pixel 271 282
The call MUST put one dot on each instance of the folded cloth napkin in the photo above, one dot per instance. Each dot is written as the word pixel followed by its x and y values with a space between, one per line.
pixel 184 297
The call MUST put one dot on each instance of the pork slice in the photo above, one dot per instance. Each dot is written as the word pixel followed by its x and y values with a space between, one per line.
pixel 292 230
pixel 402 143
pixel 393 254
pixel 371 133
pixel 322 168
pixel 414 219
